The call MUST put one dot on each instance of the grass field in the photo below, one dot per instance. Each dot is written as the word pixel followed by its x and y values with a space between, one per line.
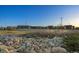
pixel 40 41
pixel 13 32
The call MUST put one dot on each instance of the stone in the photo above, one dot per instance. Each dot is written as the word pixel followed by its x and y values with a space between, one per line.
pixel 58 50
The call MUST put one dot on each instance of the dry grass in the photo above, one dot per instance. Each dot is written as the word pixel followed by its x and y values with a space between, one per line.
pixel 6 49
pixel 13 32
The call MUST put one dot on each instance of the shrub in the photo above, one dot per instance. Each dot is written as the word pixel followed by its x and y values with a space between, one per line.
pixel 71 42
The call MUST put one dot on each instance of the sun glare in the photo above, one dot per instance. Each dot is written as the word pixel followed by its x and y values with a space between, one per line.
pixel 75 22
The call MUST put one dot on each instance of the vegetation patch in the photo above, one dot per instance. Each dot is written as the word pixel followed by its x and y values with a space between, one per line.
pixel 71 42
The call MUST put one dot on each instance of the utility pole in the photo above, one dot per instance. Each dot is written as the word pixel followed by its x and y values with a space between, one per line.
pixel 29 26
pixel 61 24
pixel 61 21
pixel 26 23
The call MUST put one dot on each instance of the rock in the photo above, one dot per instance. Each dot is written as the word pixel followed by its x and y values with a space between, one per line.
pixel 58 50
pixel 47 50
pixel 56 42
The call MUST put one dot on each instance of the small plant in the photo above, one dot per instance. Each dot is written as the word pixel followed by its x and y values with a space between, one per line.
pixel 71 42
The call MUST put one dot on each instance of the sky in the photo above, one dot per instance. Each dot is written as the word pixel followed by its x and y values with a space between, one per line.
pixel 39 15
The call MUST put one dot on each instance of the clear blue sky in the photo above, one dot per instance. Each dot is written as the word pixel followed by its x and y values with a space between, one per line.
pixel 38 15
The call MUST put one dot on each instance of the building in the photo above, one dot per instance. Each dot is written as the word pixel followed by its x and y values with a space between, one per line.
pixel 77 28
pixel 69 27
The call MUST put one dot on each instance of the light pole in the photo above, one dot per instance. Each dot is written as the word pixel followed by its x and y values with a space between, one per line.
pixel 61 21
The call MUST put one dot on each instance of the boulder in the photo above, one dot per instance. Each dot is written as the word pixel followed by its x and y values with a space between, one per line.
pixel 58 50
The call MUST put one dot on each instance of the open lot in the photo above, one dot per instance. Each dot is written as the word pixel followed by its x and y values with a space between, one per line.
pixel 39 41
pixel 13 32
pixel 30 31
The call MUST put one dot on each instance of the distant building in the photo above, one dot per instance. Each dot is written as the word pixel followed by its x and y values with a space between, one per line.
pixel 23 27
pixel 50 27
pixel 68 27
pixel 77 28
pixel 2 28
